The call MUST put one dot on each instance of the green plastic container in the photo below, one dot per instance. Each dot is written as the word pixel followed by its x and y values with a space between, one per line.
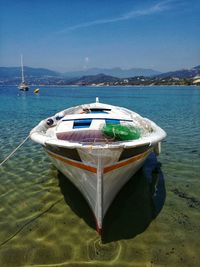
pixel 121 132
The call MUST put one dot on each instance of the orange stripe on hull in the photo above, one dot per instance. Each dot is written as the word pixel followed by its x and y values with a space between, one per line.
pixel 73 163
pixel 93 169
pixel 124 163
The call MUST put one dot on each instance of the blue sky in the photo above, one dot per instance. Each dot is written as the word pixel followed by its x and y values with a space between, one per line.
pixel 69 35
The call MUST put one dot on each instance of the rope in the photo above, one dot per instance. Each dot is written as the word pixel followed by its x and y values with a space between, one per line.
pixel 13 152
pixel 30 221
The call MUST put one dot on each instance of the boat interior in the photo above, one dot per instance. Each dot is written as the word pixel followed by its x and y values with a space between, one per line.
pixel 87 124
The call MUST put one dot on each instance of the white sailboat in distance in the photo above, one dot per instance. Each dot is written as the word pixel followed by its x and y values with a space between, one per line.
pixel 23 85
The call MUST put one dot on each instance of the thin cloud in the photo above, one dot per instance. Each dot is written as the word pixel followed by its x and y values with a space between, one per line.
pixel 157 8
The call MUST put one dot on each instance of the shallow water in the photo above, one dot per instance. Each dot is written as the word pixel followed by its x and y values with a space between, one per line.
pixel 44 220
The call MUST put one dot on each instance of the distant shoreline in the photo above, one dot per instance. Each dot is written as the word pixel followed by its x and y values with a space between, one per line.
pixel 142 85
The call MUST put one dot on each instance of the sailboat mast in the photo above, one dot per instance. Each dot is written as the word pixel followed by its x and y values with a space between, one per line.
pixel 23 86
pixel 22 68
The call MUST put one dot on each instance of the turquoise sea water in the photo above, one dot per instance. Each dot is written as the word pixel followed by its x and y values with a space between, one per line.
pixel 44 221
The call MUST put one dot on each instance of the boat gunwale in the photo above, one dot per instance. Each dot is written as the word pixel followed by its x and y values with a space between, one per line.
pixel 38 133
pixel 152 139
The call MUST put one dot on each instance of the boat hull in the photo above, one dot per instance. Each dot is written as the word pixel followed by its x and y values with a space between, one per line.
pixel 98 147
pixel 99 177
pixel 23 88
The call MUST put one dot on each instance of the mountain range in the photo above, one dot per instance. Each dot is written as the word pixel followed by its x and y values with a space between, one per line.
pixel 10 72
pixel 42 76
pixel 116 72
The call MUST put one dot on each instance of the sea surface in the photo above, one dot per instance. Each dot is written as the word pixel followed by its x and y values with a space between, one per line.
pixel 155 219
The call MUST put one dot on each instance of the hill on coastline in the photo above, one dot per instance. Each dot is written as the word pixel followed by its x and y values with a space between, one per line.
pixel 14 72
pixel 184 73
pixel 97 79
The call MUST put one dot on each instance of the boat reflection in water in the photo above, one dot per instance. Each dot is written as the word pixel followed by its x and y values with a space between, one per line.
pixel 137 204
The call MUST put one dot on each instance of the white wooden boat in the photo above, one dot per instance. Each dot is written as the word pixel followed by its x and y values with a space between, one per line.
pixel 98 163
